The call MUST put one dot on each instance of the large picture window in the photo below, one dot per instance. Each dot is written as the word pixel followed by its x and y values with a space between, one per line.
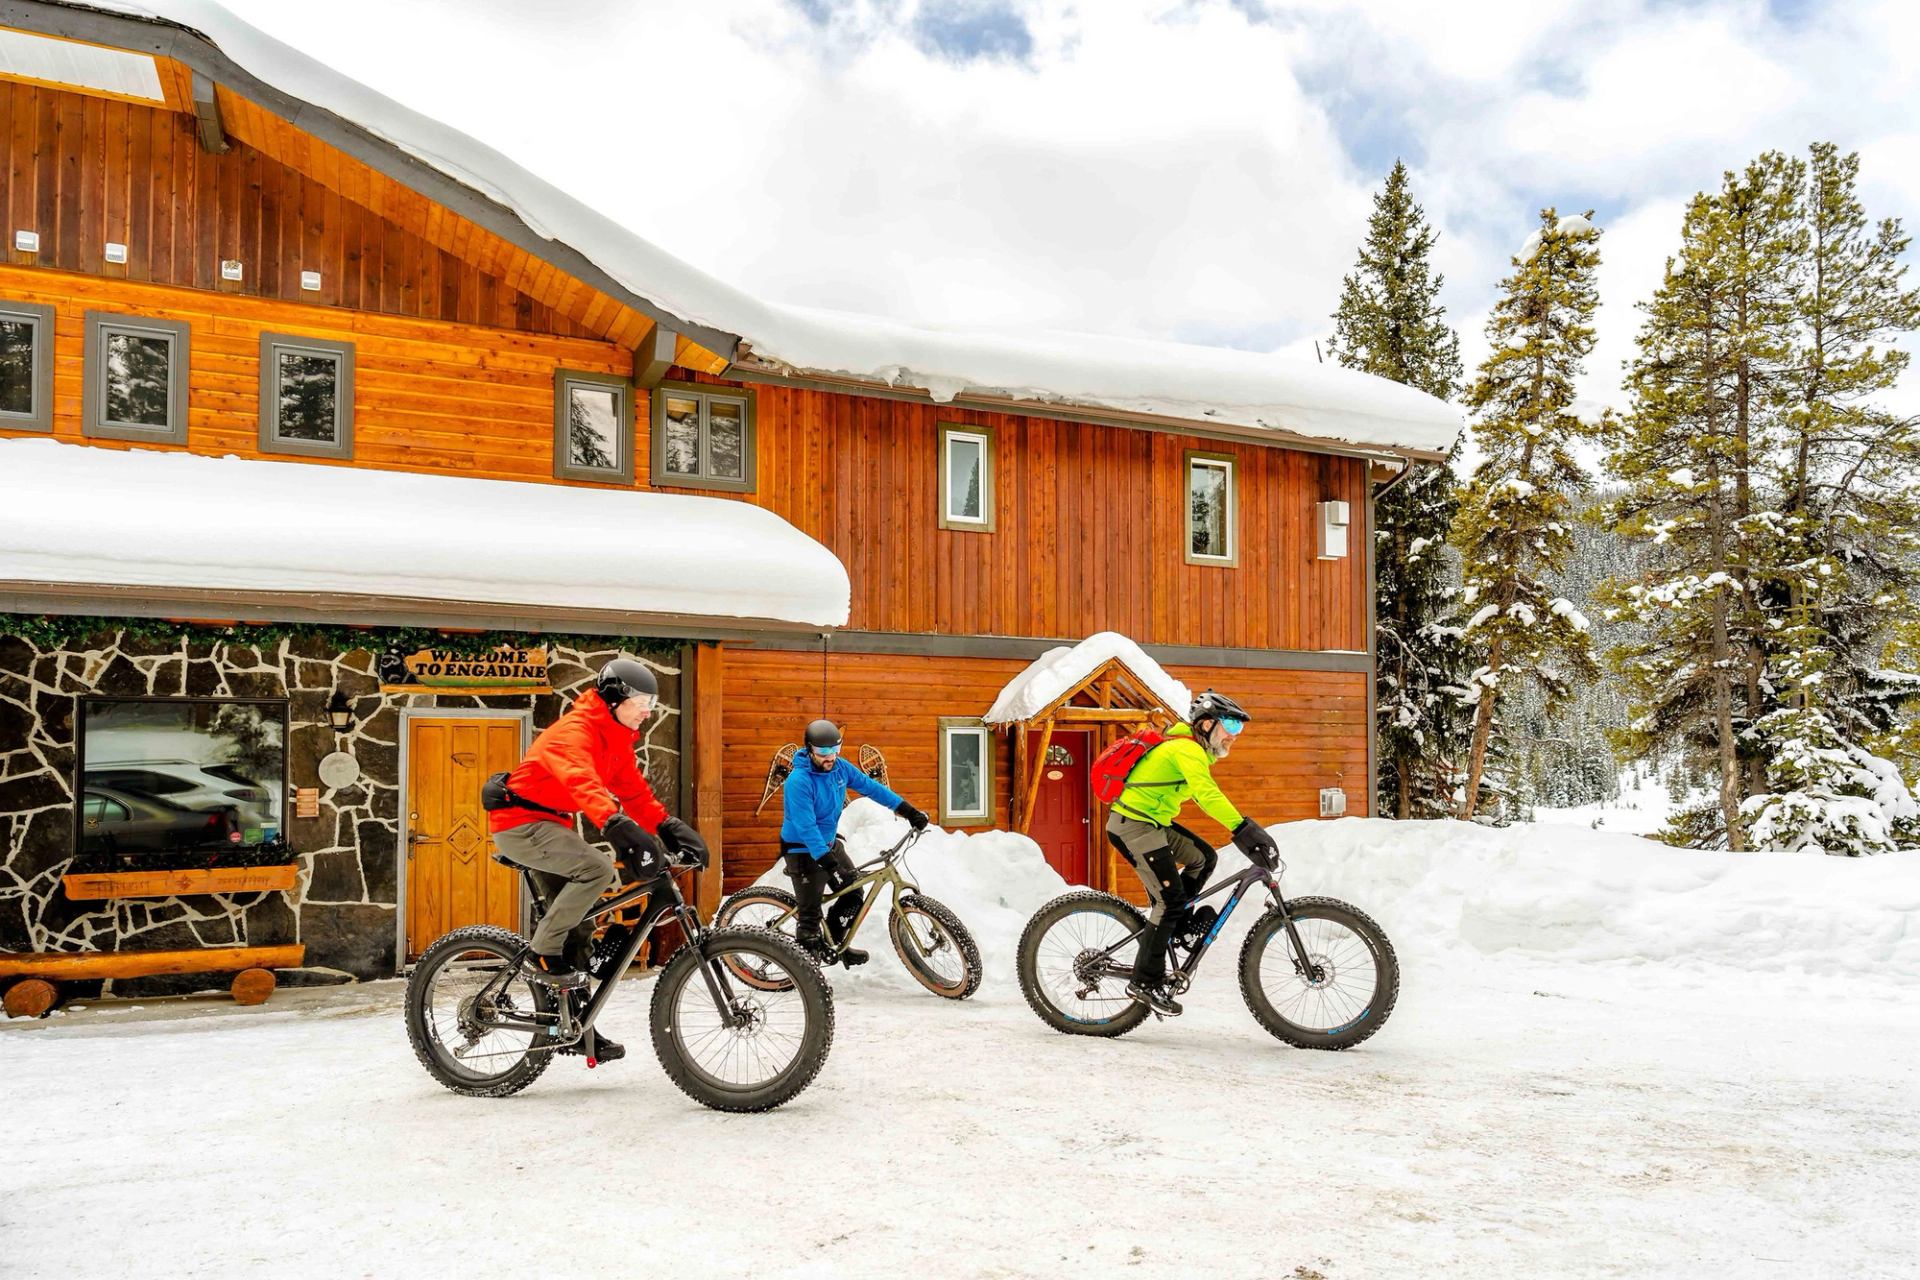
pixel 181 782
pixel 966 773
pixel 135 371
pixel 26 366
pixel 592 427
pixel 306 396
pixel 1211 516
pixel 703 437
pixel 966 477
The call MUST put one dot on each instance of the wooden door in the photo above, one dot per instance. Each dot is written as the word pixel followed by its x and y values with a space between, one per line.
pixel 452 879
pixel 1062 807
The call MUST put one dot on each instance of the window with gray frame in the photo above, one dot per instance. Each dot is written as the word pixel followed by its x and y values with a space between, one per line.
pixel 135 371
pixel 703 437
pixel 26 366
pixel 966 477
pixel 306 396
pixel 592 427
pixel 966 772
pixel 1210 509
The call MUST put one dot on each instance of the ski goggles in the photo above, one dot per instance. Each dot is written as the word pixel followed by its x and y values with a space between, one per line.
pixel 1233 725
pixel 829 752
pixel 646 702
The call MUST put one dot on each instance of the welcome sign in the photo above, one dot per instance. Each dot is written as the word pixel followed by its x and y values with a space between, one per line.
pixel 505 670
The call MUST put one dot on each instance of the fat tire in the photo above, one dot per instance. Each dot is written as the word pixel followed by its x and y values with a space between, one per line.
pixel 969 949
pixel 1386 986
pixel 814 992
pixel 482 937
pixel 724 919
pixel 1065 905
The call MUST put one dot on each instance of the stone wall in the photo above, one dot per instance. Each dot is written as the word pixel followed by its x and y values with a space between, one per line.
pixel 343 903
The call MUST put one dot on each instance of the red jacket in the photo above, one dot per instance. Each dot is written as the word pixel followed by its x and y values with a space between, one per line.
pixel 582 762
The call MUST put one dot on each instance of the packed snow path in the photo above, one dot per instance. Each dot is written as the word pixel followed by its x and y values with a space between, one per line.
pixel 1609 1059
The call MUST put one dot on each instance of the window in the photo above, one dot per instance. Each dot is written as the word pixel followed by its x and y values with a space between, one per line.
pixel 966 773
pixel 592 427
pixel 966 477
pixel 306 396
pixel 136 378
pixel 1210 509
pixel 26 366
pixel 179 781
pixel 703 437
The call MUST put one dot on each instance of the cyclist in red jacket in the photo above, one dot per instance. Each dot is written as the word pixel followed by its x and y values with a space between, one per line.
pixel 584 763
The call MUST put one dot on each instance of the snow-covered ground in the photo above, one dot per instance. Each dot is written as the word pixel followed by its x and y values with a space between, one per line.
pixel 1641 808
pixel 1609 1058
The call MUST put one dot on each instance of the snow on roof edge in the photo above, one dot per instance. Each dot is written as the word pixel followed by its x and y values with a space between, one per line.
pixel 1201 385
pixel 1041 682
pixel 309 527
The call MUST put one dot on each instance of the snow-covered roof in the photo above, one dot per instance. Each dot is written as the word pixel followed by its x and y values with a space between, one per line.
pixel 1258 392
pixel 144 518
pixel 1054 672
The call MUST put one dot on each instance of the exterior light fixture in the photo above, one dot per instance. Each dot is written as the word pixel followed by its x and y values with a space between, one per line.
pixel 116 252
pixel 310 281
pixel 339 714
pixel 26 241
pixel 230 269
pixel 1333 530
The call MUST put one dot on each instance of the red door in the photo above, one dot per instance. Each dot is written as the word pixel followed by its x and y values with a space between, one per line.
pixel 1060 811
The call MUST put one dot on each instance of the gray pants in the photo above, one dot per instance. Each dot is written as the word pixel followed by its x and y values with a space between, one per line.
pixel 1173 864
pixel 560 852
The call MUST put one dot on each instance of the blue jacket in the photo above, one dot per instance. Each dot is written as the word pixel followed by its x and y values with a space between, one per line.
pixel 813 799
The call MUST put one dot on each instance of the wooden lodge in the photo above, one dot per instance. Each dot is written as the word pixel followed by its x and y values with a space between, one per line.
pixel 375 389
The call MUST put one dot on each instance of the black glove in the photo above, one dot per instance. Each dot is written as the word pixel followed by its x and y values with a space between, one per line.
pixel 643 853
pixel 915 819
pixel 685 843
pixel 1252 839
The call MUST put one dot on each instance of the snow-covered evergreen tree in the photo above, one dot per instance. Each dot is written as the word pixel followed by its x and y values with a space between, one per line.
pixel 1512 527
pixel 1844 559
pixel 1390 323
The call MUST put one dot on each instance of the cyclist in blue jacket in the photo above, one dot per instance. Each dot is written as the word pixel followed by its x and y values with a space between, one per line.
pixel 810 843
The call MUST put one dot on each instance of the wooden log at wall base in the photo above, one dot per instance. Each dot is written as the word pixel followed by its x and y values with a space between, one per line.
pixel 29 999
pixel 165 884
pixel 145 964
pixel 253 986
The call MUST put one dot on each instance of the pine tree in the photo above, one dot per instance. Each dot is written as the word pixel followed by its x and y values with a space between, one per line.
pixel 1844 561
pixel 1512 526
pixel 1390 323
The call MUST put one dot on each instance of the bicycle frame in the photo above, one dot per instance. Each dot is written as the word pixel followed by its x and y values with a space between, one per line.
pixel 886 871
pixel 663 899
pixel 1182 975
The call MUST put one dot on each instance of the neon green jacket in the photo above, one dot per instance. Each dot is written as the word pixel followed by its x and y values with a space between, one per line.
pixel 1176 771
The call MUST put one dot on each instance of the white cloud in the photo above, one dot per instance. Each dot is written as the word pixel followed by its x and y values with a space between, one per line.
pixel 1186 168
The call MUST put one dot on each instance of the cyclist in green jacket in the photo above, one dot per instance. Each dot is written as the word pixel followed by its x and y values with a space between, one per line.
pixel 1171 861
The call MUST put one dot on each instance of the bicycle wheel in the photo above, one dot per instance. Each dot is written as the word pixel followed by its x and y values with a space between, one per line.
pixel 934 946
pixel 454 998
pixel 761 907
pixel 1343 991
pixel 773 1043
pixel 1059 975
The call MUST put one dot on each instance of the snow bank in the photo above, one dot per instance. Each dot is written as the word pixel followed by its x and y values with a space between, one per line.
pixel 1245 389
pixel 172 519
pixel 1450 892
pixel 993 880
pixel 1058 670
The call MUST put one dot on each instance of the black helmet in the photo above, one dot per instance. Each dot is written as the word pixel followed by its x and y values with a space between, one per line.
pixel 823 733
pixel 1212 706
pixel 625 678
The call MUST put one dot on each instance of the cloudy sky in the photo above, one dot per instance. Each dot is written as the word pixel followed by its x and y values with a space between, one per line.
pixel 1189 169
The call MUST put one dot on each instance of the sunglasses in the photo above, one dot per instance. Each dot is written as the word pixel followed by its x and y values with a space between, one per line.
pixel 1232 724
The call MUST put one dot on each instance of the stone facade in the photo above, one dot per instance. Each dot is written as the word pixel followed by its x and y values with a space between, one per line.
pixel 343 903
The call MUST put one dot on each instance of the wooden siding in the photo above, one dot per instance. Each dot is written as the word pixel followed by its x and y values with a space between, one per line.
pixel 428 396
pixel 83 170
pixel 1090 529
pixel 1310 731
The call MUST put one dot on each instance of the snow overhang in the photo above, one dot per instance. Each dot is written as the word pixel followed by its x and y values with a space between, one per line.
pixel 144 532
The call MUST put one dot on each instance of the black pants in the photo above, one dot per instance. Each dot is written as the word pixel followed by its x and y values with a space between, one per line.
pixel 1174 864
pixel 812 878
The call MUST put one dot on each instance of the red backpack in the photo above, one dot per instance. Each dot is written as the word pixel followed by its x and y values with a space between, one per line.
pixel 1111 767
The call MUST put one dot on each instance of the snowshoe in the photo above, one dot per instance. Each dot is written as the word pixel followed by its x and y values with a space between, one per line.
pixel 777 774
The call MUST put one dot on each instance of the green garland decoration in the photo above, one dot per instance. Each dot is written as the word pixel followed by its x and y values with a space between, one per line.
pixel 65 631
